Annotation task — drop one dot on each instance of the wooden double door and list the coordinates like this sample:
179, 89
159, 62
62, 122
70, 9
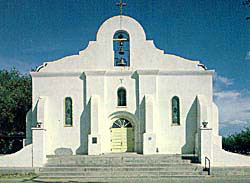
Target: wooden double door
122, 136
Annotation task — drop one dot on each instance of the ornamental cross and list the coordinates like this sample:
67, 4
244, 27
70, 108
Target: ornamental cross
121, 4
121, 80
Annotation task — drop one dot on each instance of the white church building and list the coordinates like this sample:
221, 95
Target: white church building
122, 94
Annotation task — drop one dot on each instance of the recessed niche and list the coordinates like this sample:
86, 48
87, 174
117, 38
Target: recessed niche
94, 140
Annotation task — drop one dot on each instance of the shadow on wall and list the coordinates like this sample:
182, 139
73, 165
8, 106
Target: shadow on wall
191, 129
63, 151
142, 120
84, 122
140, 115
31, 121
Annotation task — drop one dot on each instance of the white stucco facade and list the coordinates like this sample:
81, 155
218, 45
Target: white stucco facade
152, 79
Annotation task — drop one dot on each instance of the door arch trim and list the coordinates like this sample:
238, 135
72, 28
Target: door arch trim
123, 114
131, 118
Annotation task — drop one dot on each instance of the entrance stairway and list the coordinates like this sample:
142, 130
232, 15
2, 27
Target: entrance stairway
119, 166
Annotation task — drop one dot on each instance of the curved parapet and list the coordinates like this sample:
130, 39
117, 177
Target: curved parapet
99, 54
22, 158
113, 24
222, 158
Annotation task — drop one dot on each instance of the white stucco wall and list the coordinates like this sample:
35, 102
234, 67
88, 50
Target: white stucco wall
22, 158
56, 89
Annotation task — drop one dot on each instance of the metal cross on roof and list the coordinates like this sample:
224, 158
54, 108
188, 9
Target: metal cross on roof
121, 4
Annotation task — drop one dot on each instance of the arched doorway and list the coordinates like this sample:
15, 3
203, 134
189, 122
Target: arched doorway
122, 136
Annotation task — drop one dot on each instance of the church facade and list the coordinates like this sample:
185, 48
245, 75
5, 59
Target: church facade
122, 94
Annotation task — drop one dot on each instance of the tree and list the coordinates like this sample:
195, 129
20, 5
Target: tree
239, 142
15, 101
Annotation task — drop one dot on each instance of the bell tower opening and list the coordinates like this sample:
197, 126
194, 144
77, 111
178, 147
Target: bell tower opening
121, 48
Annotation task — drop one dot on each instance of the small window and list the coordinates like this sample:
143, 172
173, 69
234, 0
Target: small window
68, 111
175, 111
121, 96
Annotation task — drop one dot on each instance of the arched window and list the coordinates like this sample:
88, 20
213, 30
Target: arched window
68, 111
175, 110
121, 48
121, 96
122, 123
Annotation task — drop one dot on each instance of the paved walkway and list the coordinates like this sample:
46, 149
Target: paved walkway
228, 179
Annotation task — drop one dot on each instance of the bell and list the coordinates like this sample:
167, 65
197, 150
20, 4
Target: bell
122, 62
120, 36
121, 51
121, 43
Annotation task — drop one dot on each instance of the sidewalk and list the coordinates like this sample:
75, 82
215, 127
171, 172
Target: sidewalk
227, 179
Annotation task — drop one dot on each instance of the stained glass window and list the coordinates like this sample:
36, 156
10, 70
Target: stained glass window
175, 110
68, 111
121, 95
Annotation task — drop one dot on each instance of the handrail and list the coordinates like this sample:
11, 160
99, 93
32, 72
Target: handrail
208, 169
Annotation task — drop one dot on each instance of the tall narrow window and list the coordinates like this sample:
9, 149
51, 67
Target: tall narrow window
121, 95
175, 110
68, 111
121, 48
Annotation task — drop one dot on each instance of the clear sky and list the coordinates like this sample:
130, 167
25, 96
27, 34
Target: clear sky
214, 32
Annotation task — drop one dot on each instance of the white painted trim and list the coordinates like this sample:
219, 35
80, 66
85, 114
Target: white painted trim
165, 72
207, 72
120, 73
55, 74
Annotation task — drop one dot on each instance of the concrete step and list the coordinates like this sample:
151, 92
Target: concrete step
119, 155
119, 174
166, 178
112, 164
134, 157
139, 178
119, 166
104, 161
120, 169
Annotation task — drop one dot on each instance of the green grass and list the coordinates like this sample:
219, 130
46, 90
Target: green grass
17, 175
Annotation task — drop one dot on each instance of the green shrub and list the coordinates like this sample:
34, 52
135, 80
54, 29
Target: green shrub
238, 143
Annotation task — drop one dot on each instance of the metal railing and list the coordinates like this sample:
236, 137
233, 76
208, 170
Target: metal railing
209, 166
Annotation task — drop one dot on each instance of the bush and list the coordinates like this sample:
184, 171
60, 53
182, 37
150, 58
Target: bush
238, 143
15, 101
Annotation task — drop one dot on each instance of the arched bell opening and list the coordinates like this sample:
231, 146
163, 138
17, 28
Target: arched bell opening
121, 48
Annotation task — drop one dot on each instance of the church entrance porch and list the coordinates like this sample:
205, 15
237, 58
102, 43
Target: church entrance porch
122, 136
120, 165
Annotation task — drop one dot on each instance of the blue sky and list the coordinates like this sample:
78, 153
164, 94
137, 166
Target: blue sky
212, 31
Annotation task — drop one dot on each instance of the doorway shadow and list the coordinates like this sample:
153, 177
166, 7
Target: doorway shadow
191, 129
84, 121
